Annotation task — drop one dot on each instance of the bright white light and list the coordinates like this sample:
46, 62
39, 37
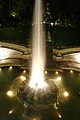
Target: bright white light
59, 115
60, 70
52, 24
37, 79
71, 71
66, 94
58, 78
56, 72
23, 78
37, 85
10, 93
10, 67
38, 49
45, 72
24, 71
10, 112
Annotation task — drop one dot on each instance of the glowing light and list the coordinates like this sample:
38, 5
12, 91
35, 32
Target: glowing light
60, 70
10, 112
59, 115
10, 67
38, 49
58, 78
66, 94
52, 24
71, 71
10, 93
44, 22
24, 71
37, 79
41, 84
56, 72
46, 72
23, 78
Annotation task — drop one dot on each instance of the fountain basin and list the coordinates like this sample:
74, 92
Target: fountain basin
40, 98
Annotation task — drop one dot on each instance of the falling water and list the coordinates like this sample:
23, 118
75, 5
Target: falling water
38, 48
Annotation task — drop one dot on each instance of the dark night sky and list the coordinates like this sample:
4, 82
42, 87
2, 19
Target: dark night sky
24, 7
66, 6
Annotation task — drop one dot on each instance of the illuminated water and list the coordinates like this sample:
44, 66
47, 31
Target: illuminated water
38, 48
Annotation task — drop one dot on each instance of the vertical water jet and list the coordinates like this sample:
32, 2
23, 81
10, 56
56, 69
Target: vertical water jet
38, 94
38, 48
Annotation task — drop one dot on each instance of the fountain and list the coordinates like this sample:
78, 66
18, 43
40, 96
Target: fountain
38, 48
38, 93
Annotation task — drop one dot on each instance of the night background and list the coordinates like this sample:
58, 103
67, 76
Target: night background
61, 19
